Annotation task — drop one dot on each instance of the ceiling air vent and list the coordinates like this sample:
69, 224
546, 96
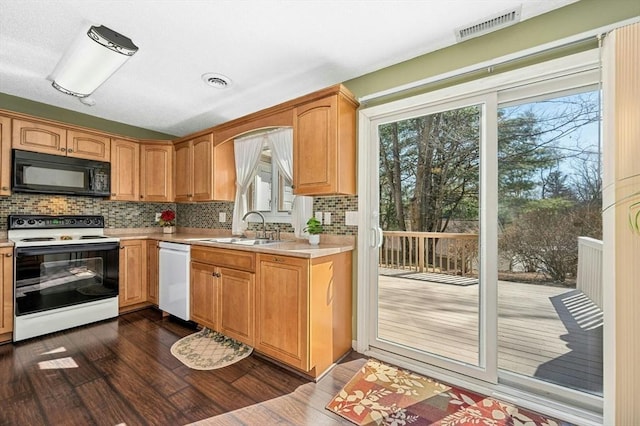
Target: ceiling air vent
490, 24
218, 81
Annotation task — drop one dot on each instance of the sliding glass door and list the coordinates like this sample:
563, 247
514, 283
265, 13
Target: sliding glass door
550, 316
431, 298
481, 251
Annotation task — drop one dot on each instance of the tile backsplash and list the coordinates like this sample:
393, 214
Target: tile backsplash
123, 214
117, 214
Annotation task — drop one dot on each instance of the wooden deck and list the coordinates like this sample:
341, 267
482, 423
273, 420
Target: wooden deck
549, 333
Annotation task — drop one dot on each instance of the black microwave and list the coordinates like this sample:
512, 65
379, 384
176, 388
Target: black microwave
56, 174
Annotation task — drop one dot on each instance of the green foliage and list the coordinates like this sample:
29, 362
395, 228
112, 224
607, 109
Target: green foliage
313, 226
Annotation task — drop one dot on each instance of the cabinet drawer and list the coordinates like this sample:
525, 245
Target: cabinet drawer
234, 259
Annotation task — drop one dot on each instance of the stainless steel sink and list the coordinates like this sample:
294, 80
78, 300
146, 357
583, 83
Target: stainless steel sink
238, 241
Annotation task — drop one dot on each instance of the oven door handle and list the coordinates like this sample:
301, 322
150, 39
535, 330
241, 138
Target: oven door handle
68, 248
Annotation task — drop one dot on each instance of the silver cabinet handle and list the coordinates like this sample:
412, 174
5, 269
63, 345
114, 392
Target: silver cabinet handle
8, 254
5, 188
63, 149
69, 150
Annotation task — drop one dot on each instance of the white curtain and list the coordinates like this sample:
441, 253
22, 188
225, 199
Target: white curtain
281, 144
247, 157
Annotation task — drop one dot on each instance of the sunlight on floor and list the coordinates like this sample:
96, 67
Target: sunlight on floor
59, 363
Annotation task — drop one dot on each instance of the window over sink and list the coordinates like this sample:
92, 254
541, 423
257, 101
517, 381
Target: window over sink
270, 192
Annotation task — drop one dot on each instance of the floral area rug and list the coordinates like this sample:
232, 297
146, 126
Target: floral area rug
381, 394
208, 350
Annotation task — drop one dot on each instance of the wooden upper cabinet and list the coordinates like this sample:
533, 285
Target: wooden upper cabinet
39, 137
224, 168
324, 146
184, 169
5, 156
156, 172
51, 139
125, 165
204, 173
88, 145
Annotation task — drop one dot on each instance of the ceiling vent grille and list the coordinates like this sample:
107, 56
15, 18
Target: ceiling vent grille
487, 25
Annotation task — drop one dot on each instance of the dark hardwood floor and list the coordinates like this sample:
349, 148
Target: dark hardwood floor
121, 371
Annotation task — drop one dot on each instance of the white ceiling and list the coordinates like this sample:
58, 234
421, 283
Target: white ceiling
273, 50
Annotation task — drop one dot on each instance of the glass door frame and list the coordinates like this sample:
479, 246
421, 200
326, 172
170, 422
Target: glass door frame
488, 178
581, 66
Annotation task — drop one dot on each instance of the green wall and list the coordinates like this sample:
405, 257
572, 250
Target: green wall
570, 20
16, 104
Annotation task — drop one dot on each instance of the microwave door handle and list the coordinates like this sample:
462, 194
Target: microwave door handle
91, 179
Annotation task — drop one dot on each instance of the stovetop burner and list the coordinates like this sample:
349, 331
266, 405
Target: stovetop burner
44, 231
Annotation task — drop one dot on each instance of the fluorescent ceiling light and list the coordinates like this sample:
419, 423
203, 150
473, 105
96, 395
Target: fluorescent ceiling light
91, 60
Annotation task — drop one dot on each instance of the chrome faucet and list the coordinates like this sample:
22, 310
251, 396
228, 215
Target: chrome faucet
264, 229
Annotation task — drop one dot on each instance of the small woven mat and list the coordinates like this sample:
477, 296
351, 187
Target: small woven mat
208, 350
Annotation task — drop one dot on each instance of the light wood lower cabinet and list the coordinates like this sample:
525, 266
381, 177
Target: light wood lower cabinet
6, 293
303, 310
236, 304
282, 311
222, 291
133, 272
204, 295
153, 257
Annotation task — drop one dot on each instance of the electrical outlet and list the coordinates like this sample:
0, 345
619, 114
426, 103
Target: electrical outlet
327, 218
158, 217
351, 218
319, 216
222, 217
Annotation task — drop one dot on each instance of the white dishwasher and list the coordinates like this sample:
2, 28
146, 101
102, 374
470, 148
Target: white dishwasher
174, 279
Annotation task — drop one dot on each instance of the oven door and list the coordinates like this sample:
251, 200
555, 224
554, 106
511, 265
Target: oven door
51, 277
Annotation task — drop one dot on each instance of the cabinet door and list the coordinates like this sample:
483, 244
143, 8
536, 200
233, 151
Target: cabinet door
125, 162
184, 175
314, 147
202, 170
236, 301
324, 146
282, 329
39, 137
224, 169
133, 272
203, 294
5, 156
156, 173
6, 290
88, 145
153, 255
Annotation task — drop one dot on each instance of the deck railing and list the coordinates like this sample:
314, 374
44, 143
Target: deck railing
589, 279
440, 252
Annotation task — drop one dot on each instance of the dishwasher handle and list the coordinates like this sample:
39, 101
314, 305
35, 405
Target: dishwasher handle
175, 246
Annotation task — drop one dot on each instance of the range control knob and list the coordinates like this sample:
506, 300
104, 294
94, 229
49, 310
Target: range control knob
31, 222
72, 221
20, 222
88, 221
